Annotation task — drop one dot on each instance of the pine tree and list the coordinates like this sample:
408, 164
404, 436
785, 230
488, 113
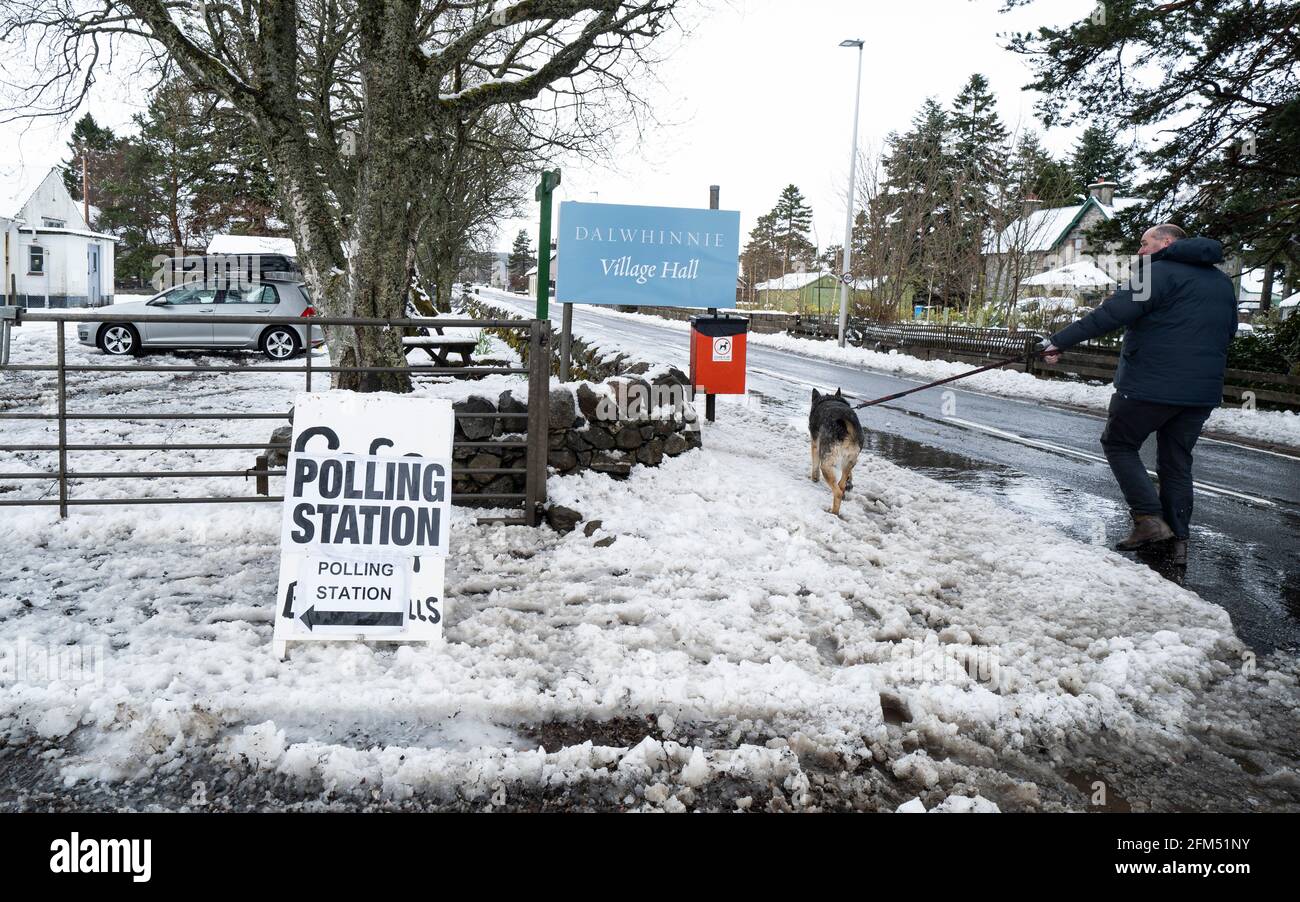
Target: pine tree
521, 260
1098, 154
909, 209
1218, 85
792, 218
118, 190
1034, 172
861, 242
979, 138
979, 149
88, 137
832, 259
760, 258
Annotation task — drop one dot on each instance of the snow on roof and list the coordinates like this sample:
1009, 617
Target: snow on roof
1083, 274
1040, 230
790, 281
251, 244
1292, 301
555, 258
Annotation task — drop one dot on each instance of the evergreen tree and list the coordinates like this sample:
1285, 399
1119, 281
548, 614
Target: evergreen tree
176, 132
761, 259
521, 260
118, 190
979, 138
916, 202
188, 172
98, 143
832, 259
978, 142
1098, 154
861, 234
792, 218
1034, 172
1218, 82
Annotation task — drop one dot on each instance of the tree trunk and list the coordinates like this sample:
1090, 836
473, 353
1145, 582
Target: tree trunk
383, 223
1266, 290
446, 271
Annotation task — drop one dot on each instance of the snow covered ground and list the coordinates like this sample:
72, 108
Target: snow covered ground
1279, 427
734, 646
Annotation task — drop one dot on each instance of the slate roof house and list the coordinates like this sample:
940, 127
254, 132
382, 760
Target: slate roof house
1043, 239
52, 255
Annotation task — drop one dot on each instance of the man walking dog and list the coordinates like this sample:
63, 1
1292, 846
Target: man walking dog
1178, 317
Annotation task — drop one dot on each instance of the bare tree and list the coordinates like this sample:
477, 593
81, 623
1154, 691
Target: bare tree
351, 101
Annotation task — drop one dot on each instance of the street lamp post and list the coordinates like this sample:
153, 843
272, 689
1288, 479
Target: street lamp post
848, 221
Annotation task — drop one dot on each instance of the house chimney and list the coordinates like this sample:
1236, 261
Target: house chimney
1104, 191
1032, 204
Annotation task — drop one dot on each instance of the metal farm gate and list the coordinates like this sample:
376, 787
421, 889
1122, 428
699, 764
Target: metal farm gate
62, 473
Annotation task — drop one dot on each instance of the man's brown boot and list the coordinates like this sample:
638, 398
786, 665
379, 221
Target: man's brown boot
1147, 528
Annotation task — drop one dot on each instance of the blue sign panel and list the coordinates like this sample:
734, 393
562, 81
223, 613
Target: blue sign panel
661, 256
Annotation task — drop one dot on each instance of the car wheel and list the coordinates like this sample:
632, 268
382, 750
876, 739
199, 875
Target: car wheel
119, 339
279, 343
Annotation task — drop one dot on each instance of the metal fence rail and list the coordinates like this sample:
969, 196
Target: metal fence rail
529, 501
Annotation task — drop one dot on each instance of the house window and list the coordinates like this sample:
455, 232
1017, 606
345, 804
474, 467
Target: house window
48, 223
35, 260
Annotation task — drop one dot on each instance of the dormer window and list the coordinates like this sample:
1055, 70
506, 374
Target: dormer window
48, 223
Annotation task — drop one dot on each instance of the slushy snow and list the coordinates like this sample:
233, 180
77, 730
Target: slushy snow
925, 638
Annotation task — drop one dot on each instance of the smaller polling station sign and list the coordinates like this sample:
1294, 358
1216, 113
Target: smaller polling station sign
660, 256
364, 531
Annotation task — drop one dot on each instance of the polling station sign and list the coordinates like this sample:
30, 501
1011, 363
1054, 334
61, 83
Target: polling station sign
662, 256
365, 524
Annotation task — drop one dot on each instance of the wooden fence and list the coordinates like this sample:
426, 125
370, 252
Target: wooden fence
1091, 360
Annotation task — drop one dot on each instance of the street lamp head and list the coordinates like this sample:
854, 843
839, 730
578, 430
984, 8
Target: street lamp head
850, 42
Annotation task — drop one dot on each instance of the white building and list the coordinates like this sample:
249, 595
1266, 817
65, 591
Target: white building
52, 256
532, 276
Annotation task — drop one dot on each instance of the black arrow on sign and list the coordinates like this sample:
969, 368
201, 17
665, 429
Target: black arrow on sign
314, 618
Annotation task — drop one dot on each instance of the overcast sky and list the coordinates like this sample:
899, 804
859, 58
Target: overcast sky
756, 96
759, 95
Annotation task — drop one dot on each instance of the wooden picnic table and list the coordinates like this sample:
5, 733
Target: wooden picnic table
440, 347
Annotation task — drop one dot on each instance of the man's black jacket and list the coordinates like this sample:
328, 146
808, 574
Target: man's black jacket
1179, 315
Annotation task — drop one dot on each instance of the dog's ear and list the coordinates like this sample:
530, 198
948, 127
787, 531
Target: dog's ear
816, 396
838, 393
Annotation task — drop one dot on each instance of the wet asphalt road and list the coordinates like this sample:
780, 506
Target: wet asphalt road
1044, 462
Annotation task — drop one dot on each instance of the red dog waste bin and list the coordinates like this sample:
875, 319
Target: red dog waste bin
718, 354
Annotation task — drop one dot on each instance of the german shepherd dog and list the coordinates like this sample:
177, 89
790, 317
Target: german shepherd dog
836, 442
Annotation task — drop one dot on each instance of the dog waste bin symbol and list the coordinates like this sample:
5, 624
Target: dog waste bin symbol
718, 354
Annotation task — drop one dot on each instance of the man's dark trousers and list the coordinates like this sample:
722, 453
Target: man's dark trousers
1177, 428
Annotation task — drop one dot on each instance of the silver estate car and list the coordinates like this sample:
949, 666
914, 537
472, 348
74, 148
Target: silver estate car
143, 325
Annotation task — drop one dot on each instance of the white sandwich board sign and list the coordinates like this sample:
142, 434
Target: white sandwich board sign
364, 534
